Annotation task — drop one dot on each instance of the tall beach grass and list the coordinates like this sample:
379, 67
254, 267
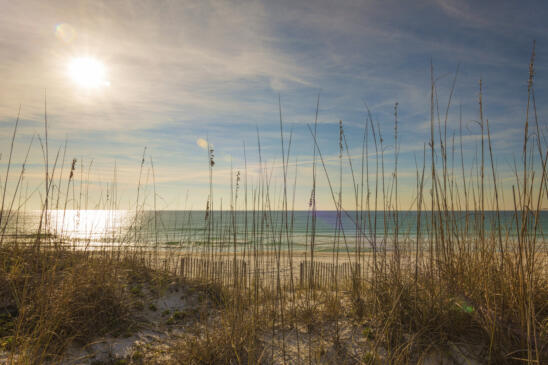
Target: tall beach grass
461, 287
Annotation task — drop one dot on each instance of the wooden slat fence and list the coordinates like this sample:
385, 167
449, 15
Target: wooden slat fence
225, 272
327, 275
230, 272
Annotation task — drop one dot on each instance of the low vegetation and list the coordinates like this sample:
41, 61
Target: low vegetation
464, 288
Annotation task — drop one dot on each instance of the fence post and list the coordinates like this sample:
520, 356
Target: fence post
245, 274
301, 274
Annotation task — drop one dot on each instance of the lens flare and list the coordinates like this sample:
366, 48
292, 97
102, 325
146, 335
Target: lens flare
65, 32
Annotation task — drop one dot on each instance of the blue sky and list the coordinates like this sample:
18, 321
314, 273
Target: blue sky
181, 71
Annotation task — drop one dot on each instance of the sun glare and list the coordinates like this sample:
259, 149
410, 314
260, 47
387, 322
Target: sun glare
88, 72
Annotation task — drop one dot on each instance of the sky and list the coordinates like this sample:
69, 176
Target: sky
179, 75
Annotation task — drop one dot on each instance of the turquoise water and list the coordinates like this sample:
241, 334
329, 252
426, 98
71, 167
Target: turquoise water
195, 228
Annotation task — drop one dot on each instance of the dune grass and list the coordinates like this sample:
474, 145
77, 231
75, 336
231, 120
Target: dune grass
455, 290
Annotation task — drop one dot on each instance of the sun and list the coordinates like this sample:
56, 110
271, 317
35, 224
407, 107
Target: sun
88, 72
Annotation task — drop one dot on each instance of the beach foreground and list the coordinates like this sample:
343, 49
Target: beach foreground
103, 307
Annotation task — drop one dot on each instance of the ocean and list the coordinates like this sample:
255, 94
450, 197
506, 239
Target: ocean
267, 229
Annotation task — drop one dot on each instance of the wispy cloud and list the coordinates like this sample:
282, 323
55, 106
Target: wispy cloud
181, 70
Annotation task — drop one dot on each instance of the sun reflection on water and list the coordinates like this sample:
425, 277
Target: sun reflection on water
89, 224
